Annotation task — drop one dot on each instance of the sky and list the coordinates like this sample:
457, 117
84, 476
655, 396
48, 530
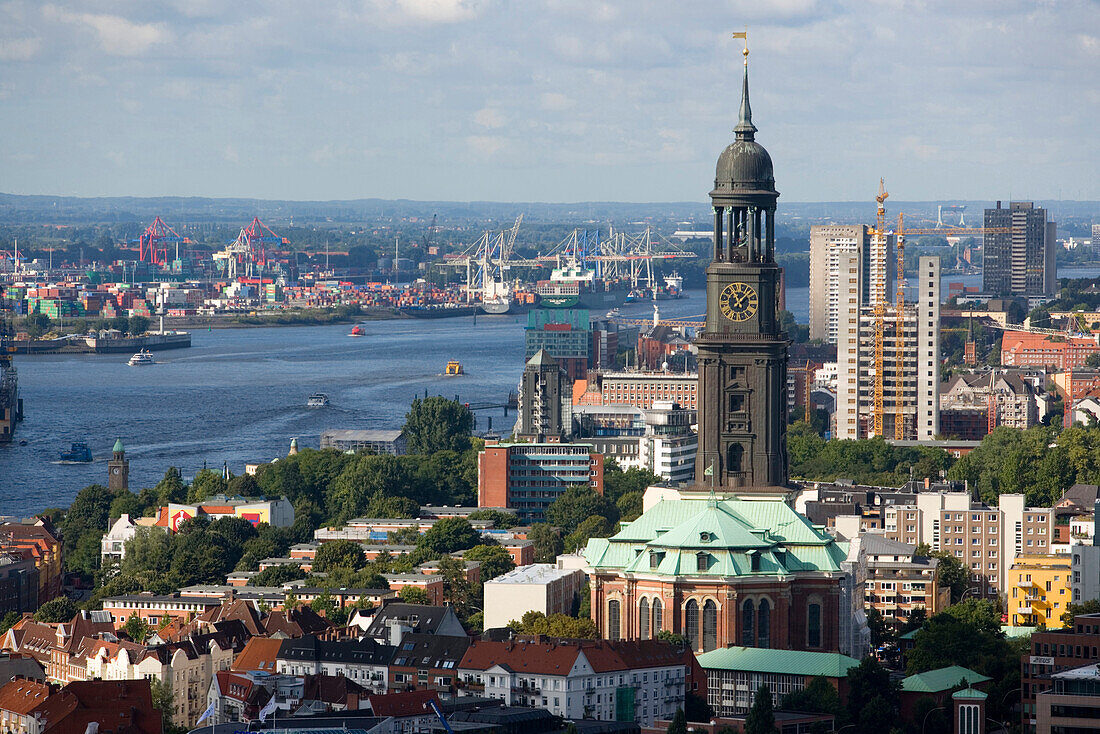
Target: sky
547, 100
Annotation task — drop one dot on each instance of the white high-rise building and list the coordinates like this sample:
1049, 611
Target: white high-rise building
875, 260
910, 361
669, 446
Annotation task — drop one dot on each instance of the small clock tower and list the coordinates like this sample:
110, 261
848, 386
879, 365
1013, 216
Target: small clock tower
742, 350
118, 468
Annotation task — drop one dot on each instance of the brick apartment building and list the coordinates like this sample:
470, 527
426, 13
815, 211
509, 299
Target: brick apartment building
529, 477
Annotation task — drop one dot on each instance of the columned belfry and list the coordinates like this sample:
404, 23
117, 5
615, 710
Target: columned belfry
742, 350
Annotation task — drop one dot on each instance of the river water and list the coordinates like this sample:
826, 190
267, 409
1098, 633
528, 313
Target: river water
238, 395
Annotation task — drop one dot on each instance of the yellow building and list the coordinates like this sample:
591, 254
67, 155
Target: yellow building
1039, 590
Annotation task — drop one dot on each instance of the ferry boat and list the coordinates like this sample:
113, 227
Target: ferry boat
356, 330
317, 400
454, 369
141, 358
78, 452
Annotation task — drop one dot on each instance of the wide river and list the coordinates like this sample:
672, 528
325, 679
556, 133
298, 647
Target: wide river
239, 395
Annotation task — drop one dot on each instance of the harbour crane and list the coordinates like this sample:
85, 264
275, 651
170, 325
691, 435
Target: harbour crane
153, 243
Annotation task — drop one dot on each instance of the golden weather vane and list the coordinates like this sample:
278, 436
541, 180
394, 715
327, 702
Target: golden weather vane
744, 35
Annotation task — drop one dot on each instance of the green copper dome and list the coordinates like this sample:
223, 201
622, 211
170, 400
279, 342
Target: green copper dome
118, 446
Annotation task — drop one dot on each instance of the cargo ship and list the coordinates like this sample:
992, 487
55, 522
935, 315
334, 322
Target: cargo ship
107, 344
574, 286
11, 406
437, 311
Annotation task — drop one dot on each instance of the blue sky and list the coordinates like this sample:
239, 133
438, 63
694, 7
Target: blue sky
532, 100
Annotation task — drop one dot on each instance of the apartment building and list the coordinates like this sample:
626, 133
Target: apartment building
1040, 590
529, 477
829, 244
608, 681
1025, 349
1070, 702
898, 582
1009, 393
985, 539
909, 352
642, 389
669, 446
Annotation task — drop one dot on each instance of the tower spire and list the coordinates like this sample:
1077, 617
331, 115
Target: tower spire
745, 129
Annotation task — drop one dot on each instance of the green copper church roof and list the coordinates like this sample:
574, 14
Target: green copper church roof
118, 445
760, 536
781, 662
941, 679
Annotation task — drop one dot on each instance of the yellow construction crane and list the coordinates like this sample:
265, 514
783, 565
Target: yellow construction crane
879, 308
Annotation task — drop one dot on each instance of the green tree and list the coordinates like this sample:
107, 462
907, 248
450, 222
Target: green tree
555, 625
457, 590
449, 535
164, 700
1092, 606
577, 504
37, 324
277, 575
391, 507
630, 506
494, 559
981, 614
548, 542
61, 609
83, 526
438, 424
171, 488
761, 718
593, 527
205, 485
678, 725
617, 482
9, 621
869, 682
817, 697
503, 520
137, 325
414, 595
952, 574
338, 554
136, 628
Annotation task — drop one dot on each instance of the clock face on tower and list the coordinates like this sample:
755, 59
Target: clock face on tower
115, 470
738, 301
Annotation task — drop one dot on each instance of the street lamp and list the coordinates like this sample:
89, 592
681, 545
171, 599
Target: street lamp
972, 588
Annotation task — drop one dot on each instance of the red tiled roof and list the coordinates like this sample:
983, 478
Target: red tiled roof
258, 654
557, 657
23, 696
406, 703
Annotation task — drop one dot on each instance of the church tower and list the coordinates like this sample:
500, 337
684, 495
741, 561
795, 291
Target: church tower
118, 468
742, 350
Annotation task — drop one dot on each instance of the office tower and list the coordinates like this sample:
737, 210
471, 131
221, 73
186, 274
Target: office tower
545, 400
1018, 258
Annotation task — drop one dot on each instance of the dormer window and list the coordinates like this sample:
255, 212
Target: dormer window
655, 559
754, 560
702, 561
705, 537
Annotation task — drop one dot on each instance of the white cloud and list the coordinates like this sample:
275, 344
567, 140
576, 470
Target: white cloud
489, 117
485, 145
439, 11
117, 35
19, 49
556, 101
